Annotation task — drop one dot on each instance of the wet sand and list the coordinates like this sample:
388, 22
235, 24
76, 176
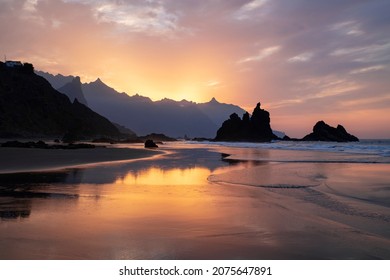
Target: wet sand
196, 204
31, 160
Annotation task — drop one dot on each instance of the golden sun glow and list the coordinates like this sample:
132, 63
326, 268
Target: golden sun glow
171, 177
196, 51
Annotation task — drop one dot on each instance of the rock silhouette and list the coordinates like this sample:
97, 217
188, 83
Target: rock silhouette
73, 91
173, 118
150, 144
30, 107
325, 132
255, 128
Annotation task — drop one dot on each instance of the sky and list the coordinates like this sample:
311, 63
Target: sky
304, 60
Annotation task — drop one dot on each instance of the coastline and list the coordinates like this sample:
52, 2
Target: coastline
193, 201
18, 160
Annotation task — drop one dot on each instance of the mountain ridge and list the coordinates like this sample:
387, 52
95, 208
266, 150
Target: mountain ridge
31, 107
73, 91
144, 116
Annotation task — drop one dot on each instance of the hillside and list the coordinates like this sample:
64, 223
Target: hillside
30, 107
144, 116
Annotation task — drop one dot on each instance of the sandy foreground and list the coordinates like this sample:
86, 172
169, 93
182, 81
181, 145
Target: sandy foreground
191, 204
14, 160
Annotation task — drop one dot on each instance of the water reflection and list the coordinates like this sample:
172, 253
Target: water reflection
167, 209
174, 176
127, 210
13, 210
180, 167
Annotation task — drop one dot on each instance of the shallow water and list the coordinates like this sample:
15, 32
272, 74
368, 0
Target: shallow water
194, 203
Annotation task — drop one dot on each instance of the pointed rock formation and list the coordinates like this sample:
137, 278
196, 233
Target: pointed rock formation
218, 112
73, 91
255, 128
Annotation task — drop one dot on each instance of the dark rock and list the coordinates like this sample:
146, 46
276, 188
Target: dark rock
30, 107
43, 145
325, 132
17, 144
150, 144
255, 128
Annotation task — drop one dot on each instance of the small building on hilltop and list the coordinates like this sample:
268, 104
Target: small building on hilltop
12, 64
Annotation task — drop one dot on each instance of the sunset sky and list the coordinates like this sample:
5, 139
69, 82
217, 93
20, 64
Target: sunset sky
304, 60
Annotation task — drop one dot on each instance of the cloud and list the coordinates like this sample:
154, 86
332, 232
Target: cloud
339, 50
366, 102
245, 10
371, 53
348, 28
261, 55
286, 102
213, 83
319, 88
368, 69
30, 5
303, 57
30, 12
338, 87
149, 17
253, 5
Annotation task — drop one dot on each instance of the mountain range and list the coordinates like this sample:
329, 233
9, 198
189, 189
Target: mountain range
31, 107
141, 114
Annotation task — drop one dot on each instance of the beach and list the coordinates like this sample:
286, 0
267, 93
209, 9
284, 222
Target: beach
201, 201
25, 160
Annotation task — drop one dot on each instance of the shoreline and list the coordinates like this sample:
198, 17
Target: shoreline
21, 160
190, 204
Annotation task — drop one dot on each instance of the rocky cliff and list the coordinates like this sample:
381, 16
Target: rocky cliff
30, 107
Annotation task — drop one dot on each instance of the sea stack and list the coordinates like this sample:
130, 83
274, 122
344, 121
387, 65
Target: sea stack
324, 132
255, 128
150, 144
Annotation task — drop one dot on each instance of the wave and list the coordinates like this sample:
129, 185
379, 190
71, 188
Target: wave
374, 150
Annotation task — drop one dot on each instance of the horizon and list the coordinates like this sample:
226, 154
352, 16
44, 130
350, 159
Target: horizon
304, 61
190, 101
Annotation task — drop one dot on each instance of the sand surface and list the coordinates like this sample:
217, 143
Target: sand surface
191, 203
26, 160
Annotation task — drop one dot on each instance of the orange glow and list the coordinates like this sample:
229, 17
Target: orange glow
180, 194
171, 177
180, 50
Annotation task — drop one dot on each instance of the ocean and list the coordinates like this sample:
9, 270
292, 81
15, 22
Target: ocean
366, 150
